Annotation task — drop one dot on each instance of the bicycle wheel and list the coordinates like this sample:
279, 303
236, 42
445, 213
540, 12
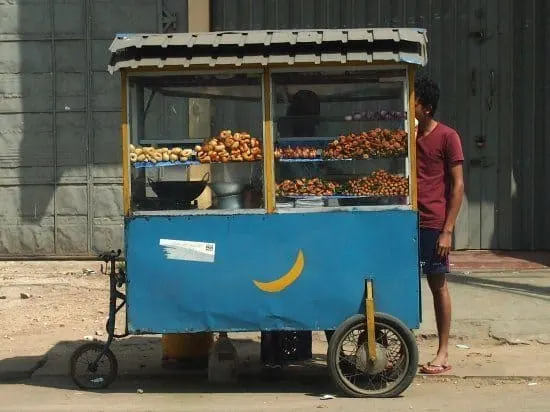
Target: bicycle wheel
87, 373
395, 366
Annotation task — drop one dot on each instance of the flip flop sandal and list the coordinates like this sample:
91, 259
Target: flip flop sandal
433, 369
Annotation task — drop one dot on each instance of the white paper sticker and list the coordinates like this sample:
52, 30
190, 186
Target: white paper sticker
187, 250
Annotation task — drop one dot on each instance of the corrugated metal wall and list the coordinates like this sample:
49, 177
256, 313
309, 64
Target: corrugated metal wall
496, 89
59, 109
60, 168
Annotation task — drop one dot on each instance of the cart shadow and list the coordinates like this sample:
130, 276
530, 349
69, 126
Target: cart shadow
140, 368
291, 382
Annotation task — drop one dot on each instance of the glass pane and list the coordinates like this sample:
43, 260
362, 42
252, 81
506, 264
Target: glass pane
197, 141
340, 138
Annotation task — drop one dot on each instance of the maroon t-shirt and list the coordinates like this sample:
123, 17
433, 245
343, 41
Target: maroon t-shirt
436, 152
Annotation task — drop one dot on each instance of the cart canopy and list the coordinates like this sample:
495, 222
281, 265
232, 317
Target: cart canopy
274, 48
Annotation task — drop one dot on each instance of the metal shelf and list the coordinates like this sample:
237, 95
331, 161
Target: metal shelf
144, 142
313, 197
149, 165
338, 119
339, 160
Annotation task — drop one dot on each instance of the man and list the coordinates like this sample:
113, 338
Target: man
440, 194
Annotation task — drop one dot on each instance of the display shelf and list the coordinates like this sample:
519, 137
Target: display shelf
170, 142
320, 159
340, 119
315, 160
315, 197
312, 140
143, 165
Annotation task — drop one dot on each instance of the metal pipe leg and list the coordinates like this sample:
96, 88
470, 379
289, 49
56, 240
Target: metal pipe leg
369, 309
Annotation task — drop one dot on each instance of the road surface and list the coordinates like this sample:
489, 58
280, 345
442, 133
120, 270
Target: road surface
167, 395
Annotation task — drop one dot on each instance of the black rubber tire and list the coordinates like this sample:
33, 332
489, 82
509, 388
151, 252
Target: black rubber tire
96, 348
381, 319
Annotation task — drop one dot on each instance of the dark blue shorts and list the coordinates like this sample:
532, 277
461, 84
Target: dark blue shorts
432, 263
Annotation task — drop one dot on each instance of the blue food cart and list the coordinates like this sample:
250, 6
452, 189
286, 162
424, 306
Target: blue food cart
269, 185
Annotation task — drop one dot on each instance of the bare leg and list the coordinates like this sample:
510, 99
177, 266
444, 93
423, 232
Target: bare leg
442, 308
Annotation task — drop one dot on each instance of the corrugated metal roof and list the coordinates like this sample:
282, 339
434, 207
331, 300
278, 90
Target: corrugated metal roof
263, 47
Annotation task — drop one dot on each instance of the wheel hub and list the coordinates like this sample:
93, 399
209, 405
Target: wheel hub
365, 365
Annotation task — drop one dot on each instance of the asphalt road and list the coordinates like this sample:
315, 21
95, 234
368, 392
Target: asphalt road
49, 394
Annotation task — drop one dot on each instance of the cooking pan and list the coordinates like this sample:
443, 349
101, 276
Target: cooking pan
186, 191
227, 188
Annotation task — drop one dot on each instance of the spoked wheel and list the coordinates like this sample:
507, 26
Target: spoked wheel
396, 360
88, 372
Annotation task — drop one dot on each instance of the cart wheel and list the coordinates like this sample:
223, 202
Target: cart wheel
89, 374
395, 366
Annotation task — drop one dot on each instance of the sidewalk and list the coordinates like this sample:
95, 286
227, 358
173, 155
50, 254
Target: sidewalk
504, 319
472, 260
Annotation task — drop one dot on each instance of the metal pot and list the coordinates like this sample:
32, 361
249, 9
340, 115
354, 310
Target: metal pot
227, 188
186, 191
229, 202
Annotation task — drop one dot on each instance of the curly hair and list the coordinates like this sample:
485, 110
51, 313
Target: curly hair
427, 92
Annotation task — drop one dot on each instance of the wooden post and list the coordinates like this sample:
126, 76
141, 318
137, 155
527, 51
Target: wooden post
125, 145
269, 167
413, 191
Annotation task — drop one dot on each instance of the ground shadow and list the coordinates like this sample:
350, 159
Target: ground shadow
541, 257
513, 287
500, 260
292, 382
139, 367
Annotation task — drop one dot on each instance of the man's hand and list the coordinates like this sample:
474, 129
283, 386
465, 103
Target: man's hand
444, 244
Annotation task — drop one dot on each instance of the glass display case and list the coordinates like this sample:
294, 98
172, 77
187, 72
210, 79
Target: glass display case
196, 141
341, 137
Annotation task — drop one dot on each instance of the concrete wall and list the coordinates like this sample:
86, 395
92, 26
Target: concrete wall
60, 172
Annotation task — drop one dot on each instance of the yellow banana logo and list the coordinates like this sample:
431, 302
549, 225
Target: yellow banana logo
286, 280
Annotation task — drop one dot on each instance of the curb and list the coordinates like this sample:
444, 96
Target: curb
511, 379
18, 376
465, 271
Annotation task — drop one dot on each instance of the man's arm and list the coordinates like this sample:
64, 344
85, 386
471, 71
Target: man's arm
457, 194
455, 201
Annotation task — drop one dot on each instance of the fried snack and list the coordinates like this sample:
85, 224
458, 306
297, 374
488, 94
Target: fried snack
307, 187
377, 143
230, 147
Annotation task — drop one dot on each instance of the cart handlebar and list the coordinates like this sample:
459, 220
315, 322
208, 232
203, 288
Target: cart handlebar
110, 256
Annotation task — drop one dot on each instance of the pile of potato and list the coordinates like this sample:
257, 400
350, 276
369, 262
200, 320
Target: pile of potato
377, 143
296, 153
307, 187
230, 147
379, 183
154, 155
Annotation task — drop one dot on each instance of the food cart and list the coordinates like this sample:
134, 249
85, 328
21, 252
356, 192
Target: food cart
269, 185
